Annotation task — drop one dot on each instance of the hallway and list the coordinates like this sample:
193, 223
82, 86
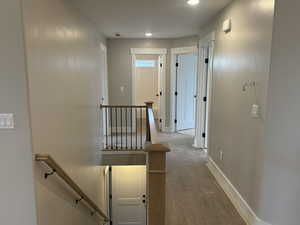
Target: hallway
193, 195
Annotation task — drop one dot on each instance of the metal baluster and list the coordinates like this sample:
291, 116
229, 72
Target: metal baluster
116, 111
141, 115
136, 129
131, 127
126, 129
111, 129
106, 130
121, 128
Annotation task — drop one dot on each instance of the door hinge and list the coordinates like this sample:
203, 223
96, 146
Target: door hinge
110, 169
205, 99
161, 65
176, 93
160, 120
206, 60
177, 64
160, 93
175, 121
110, 196
203, 135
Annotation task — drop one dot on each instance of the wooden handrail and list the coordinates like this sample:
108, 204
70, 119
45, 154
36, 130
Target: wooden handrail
59, 171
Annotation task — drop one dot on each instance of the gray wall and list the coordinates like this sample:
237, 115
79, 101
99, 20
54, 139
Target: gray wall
17, 205
63, 61
240, 56
119, 65
280, 189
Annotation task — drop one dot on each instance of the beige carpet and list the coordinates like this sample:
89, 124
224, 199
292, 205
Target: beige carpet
193, 195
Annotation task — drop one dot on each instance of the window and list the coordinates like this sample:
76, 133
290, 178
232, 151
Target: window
145, 63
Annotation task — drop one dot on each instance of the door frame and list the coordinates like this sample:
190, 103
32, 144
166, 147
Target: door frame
205, 77
105, 101
103, 49
162, 53
174, 53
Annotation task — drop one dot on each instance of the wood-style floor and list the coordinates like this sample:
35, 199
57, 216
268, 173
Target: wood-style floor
193, 195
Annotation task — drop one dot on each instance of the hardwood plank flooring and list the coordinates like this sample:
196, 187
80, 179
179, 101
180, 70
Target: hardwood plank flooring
193, 195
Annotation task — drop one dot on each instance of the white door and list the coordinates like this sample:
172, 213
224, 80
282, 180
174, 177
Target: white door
128, 195
103, 74
104, 85
147, 81
186, 78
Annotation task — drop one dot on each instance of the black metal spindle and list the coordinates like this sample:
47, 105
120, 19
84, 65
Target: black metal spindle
126, 128
121, 114
111, 128
141, 119
131, 127
116, 111
106, 130
136, 129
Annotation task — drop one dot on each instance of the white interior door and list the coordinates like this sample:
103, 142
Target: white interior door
104, 76
147, 81
186, 78
128, 194
104, 85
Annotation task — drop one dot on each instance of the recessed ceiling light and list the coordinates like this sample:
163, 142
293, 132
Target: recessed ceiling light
193, 2
148, 34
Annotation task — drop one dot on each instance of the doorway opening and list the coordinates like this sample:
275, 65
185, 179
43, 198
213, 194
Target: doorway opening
206, 57
148, 81
184, 71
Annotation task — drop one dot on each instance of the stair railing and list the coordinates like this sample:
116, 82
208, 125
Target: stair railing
82, 197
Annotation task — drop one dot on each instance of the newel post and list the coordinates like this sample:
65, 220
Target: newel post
156, 183
149, 106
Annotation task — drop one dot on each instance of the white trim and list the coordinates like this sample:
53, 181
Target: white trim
103, 47
183, 50
162, 52
235, 197
206, 49
174, 52
104, 95
148, 51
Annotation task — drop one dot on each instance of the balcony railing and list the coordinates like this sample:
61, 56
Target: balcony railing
125, 127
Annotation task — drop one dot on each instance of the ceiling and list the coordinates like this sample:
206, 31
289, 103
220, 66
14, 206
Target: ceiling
164, 18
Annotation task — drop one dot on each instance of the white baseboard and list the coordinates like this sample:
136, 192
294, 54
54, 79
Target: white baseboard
238, 201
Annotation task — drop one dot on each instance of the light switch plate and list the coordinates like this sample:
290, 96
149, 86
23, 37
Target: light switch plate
227, 25
7, 121
255, 111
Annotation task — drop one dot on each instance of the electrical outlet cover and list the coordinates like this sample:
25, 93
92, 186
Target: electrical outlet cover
7, 121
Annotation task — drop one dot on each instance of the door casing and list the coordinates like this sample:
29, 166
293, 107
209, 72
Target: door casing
206, 50
174, 53
161, 52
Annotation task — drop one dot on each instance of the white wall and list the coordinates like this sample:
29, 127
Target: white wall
280, 181
63, 57
241, 56
17, 205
